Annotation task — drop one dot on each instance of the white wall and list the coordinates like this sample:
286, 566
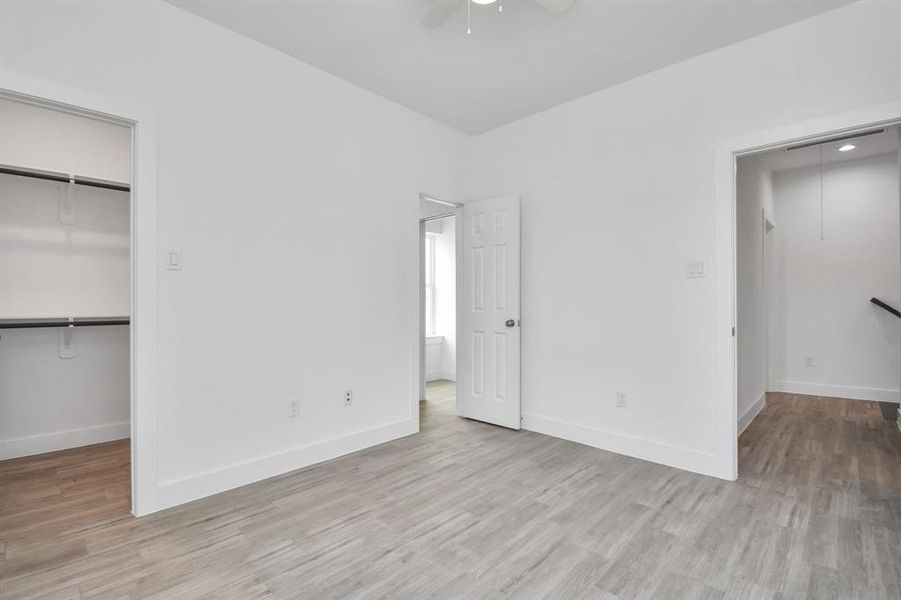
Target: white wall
618, 193
822, 287
441, 354
446, 315
317, 192
434, 349
293, 196
49, 269
52, 140
754, 198
48, 403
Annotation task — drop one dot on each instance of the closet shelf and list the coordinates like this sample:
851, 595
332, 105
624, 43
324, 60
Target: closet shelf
58, 322
64, 178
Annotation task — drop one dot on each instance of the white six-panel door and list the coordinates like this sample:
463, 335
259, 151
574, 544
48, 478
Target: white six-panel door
489, 342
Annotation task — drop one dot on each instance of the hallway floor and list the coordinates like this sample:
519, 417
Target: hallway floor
469, 510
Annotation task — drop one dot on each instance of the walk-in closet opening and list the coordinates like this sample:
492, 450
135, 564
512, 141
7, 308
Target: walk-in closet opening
818, 288
65, 304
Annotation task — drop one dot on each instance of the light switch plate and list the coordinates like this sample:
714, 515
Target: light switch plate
173, 260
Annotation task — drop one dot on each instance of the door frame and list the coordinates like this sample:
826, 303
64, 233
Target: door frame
726, 154
766, 276
142, 120
455, 209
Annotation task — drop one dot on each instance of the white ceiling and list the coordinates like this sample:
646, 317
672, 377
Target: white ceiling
870, 145
515, 63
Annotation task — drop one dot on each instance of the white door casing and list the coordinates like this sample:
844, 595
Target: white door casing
490, 313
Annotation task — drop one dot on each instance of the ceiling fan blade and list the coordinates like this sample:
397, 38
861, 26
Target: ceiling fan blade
556, 6
440, 11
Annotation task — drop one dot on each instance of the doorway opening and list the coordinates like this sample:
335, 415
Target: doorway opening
818, 285
438, 326
486, 329
66, 282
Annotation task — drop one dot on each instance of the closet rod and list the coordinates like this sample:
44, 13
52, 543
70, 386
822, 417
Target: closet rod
62, 177
80, 322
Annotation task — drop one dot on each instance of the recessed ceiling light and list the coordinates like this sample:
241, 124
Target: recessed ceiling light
483, 2
847, 148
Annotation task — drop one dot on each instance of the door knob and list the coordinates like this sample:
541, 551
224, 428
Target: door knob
510, 323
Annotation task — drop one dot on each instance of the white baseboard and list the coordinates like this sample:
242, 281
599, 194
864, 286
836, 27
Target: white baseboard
751, 413
178, 491
680, 457
436, 375
838, 391
62, 440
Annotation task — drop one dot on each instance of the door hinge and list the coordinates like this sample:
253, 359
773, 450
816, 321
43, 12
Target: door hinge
733, 332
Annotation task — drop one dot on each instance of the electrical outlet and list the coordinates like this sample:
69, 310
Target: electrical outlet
621, 400
808, 360
348, 397
695, 269
293, 408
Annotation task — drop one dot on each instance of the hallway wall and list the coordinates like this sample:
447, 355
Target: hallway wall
754, 198
821, 287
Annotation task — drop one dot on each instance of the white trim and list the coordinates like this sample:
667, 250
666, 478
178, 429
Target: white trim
848, 392
419, 326
185, 489
751, 413
436, 375
428, 198
434, 340
670, 455
725, 154
144, 251
63, 440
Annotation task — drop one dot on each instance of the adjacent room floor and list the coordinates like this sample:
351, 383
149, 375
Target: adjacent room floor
468, 510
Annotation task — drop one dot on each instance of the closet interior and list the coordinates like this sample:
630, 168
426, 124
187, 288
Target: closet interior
65, 280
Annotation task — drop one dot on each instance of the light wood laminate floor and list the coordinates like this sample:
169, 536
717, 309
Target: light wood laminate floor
468, 510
